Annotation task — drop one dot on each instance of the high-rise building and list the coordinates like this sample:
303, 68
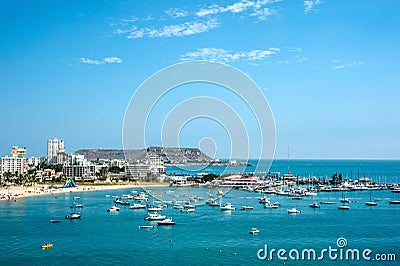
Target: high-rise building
17, 152
56, 151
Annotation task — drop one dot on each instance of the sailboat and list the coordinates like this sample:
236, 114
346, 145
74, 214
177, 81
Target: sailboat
344, 200
394, 201
370, 202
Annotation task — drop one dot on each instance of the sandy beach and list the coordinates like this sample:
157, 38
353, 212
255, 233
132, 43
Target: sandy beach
16, 192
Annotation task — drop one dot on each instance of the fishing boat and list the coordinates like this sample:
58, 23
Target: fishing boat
314, 205
73, 216
247, 207
136, 206
113, 209
154, 217
254, 231
167, 221
227, 207
294, 211
47, 245
55, 221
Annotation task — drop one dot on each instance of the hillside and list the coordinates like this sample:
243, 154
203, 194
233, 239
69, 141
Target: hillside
169, 155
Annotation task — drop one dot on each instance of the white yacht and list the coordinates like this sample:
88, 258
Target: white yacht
73, 216
227, 207
155, 216
167, 221
247, 207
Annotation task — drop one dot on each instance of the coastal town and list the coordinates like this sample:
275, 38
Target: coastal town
110, 169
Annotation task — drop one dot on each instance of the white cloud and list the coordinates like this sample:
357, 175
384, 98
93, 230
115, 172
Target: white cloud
309, 6
176, 30
257, 7
112, 59
217, 54
349, 65
105, 60
176, 13
89, 61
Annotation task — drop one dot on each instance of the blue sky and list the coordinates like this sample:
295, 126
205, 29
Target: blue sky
329, 69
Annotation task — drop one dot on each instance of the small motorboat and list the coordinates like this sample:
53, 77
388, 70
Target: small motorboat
327, 202
189, 206
55, 221
154, 209
179, 207
188, 210
77, 198
167, 221
155, 217
227, 207
264, 199
136, 206
297, 198
146, 226
394, 202
294, 211
371, 203
73, 216
247, 207
47, 245
76, 205
254, 231
344, 207
214, 204
271, 206
113, 209
314, 205
345, 200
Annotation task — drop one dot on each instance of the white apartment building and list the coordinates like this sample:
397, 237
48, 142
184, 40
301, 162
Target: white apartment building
13, 165
56, 151
154, 166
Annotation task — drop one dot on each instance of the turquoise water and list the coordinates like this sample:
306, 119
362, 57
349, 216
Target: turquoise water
197, 238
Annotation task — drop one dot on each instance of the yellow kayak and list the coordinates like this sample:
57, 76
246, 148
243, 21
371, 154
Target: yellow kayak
48, 245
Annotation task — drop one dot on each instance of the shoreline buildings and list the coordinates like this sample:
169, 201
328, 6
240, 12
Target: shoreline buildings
55, 151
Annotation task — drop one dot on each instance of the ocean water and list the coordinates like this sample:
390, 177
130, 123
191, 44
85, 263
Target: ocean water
206, 237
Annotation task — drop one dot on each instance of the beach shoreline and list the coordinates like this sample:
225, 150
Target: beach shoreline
14, 193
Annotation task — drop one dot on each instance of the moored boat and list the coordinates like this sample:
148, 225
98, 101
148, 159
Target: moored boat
344, 207
73, 216
154, 217
167, 221
314, 205
55, 221
113, 209
294, 211
136, 206
254, 231
246, 207
227, 207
